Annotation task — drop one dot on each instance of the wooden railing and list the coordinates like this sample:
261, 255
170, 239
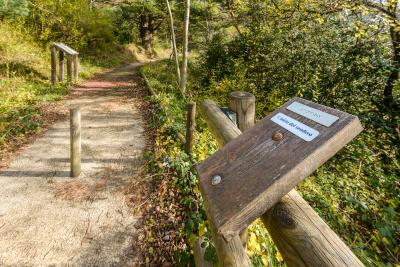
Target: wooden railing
72, 63
301, 236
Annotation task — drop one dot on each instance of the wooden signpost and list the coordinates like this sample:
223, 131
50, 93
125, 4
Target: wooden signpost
250, 174
72, 63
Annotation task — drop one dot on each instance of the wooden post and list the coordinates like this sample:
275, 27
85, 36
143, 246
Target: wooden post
198, 253
190, 126
302, 237
229, 253
243, 103
75, 62
69, 68
61, 65
75, 137
53, 65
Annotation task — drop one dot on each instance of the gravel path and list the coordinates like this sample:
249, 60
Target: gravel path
50, 219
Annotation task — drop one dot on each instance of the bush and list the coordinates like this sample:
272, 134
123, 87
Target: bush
13, 8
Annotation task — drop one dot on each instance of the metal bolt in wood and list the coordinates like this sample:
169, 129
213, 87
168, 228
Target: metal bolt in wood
277, 136
216, 179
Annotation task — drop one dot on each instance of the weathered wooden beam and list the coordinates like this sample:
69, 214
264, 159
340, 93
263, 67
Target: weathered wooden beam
60, 65
69, 68
244, 105
232, 253
190, 126
65, 48
75, 62
303, 225
198, 253
53, 65
75, 138
303, 238
229, 253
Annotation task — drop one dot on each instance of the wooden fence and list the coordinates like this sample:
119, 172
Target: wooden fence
72, 63
301, 236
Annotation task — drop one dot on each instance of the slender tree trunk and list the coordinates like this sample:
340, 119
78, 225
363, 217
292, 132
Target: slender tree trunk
233, 18
185, 48
394, 74
175, 51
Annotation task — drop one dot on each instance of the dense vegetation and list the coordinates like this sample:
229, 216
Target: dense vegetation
344, 54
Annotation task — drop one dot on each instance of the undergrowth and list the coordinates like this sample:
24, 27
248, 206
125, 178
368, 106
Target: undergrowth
169, 157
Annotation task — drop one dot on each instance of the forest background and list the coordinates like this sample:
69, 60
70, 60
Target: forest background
344, 54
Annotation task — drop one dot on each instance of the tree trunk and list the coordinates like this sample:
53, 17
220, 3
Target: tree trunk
146, 33
185, 48
394, 74
175, 51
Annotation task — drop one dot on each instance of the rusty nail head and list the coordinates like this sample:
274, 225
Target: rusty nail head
277, 136
216, 179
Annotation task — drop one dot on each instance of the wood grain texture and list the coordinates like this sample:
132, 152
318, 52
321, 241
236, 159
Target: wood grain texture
303, 238
244, 105
190, 126
231, 253
75, 136
53, 65
60, 66
258, 171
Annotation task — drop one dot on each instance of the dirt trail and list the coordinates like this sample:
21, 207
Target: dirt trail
47, 218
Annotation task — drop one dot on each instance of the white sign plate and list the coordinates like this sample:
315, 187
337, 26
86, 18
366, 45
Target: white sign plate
294, 126
313, 114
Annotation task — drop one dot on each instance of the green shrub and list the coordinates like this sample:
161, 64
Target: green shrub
13, 8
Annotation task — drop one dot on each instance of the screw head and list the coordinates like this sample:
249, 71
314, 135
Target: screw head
277, 136
216, 179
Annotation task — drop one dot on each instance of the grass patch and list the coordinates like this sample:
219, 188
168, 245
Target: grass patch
170, 159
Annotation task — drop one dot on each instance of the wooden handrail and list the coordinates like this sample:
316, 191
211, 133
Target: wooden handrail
72, 63
63, 47
301, 236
